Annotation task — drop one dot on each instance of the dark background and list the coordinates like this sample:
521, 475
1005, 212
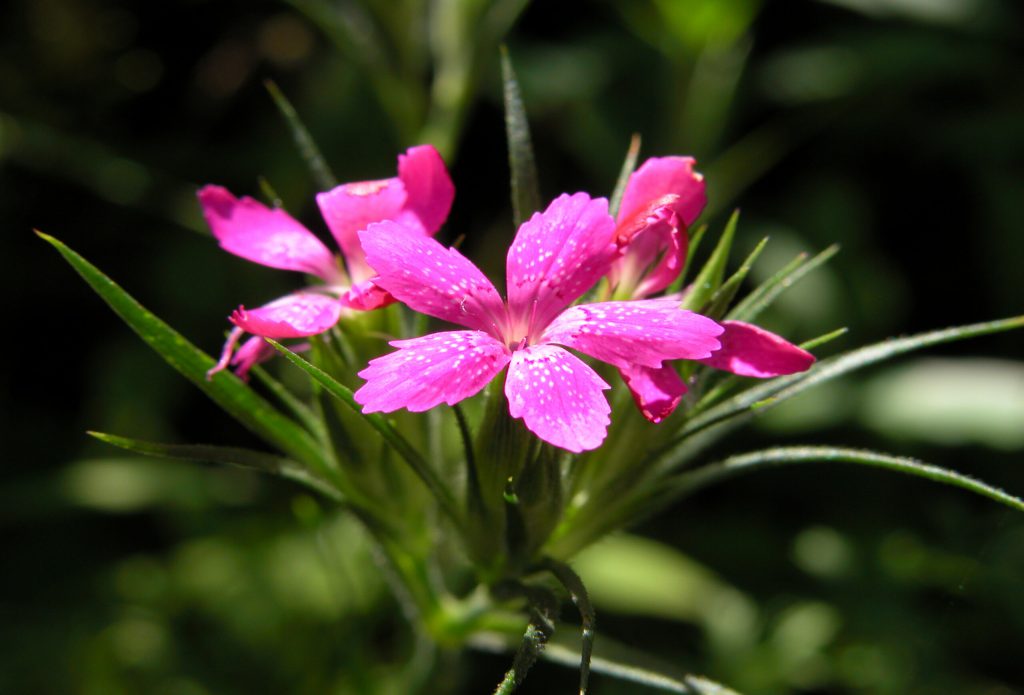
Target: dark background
892, 127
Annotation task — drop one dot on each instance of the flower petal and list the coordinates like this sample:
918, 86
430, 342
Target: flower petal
660, 176
270, 237
432, 279
657, 392
429, 188
654, 242
366, 296
352, 207
294, 316
558, 397
558, 255
437, 368
642, 332
252, 352
748, 350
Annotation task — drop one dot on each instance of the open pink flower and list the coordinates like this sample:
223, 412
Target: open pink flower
662, 198
556, 257
418, 199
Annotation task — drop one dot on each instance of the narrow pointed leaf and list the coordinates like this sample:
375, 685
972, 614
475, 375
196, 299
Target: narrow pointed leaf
318, 167
715, 472
302, 412
691, 250
824, 339
710, 277
765, 294
723, 297
401, 445
628, 166
525, 189
244, 458
226, 390
777, 390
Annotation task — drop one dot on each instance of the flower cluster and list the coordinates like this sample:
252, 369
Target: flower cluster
384, 229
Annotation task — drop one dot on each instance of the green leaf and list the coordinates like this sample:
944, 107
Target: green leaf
401, 445
824, 339
691, 251
302, 412
581, 598
628, 166
723, 297
721, 470
525, 189
710, 277
226, 390
245, 458
762, 297
777, 390
321, 173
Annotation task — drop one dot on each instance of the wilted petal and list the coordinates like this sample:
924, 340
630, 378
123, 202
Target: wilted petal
558, 255
424, 372
270, 237
294, 316
635, 333
661, 176
558, 397
751, 351
432, 279
352, 207
428, 186
657, 392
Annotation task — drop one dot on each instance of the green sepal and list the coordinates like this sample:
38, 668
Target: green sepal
224, 388
244, 458
710, 277
521, 162
318, 167
539, 504
405, 450
628, 167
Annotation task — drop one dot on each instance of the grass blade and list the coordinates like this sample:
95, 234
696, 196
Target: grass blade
525, 189
226, 390
709, 279
244, 458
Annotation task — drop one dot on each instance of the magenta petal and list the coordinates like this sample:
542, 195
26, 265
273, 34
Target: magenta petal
429, 188
661, 176
643, 332
655, 245
558, 255
270, 237
432, 279
657, 392
751, 351
294, 316
366, 296
558, 397
352, 207
425, 372
252, 352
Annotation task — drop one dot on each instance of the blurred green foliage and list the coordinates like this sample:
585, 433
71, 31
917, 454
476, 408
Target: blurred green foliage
893, 127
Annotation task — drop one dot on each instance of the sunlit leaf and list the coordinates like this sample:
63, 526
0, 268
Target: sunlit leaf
724, 295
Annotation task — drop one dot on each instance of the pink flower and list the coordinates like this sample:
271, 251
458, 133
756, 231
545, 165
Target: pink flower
556, 257
418, 199
662, 198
